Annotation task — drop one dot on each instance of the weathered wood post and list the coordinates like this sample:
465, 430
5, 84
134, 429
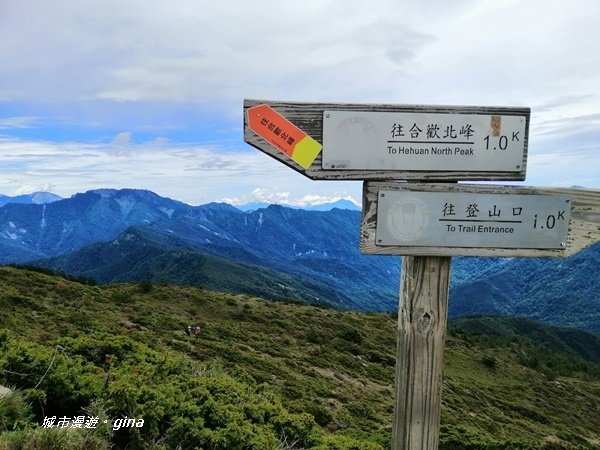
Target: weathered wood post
428, 221
422, 315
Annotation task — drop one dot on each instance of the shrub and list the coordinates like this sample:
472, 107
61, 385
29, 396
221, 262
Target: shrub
54, 439
351, 334
313, 336
15, 412
489, 361
145, 286
121, 296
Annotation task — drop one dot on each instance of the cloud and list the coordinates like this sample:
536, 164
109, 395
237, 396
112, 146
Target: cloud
17, 122
175, 64
266, 195
190, 173
28, 189
200, 52
556, 103
123, 138
315, 199
215, 53
568, 125
150, 92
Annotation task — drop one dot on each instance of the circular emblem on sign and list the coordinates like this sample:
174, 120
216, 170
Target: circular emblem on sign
356, 126
408, 219
355, 132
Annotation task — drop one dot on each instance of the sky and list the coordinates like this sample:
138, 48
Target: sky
148, 94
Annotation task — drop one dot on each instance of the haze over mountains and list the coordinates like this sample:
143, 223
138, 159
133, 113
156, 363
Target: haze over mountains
276, 252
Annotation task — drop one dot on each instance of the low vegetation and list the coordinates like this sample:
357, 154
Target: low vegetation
261, 375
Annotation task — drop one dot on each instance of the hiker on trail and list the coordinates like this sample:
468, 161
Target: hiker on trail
196, 330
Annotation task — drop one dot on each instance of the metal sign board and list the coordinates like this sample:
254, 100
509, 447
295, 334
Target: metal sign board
423, 141
454, 219
459, 143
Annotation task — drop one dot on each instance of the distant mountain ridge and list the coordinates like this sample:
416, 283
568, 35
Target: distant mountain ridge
33, 231
562, 291
341, 204
37, 198
278, 252
42, 197
72, 233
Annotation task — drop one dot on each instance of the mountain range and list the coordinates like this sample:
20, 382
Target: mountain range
115, 235
37, 198
276, 252
341, 204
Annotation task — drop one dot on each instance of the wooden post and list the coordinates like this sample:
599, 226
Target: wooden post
422, 317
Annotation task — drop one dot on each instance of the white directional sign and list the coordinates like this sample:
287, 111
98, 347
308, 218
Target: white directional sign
363, 140
451, 219
454, 219
341, 141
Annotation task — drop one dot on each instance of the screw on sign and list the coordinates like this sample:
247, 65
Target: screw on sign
428, 222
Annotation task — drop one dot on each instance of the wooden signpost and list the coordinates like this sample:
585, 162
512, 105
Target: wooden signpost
430, 218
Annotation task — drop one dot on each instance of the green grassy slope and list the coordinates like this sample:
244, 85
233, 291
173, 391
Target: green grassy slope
138, 254
504, 330
262, 375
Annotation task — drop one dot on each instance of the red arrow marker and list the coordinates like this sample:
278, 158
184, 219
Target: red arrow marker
283, 134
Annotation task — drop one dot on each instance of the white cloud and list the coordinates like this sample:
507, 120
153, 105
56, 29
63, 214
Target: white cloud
309, 200
191, 173
147, 68
215, 53
267, 195
260, 195
123, 138
204, 52
28, 189
17, 122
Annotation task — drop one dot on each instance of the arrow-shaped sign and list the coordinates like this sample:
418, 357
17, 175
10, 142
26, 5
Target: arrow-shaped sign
283, 134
